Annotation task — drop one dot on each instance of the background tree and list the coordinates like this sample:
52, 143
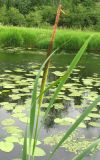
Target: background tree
79, 13
34, 19
1, 3
8, 4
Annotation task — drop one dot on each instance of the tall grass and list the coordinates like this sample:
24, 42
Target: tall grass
35, 109
39, 38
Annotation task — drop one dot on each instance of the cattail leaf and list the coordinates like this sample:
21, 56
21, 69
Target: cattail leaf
67, 74
24, 153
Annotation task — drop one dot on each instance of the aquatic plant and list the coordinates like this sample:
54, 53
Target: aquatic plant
30, 148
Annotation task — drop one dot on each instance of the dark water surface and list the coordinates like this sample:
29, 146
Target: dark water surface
17, 74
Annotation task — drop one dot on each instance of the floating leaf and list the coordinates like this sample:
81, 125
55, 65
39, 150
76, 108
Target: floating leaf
39, 152
58, 106
94, 124
7, 122
15, 97
12, 139
19, 70
19, 115
8, 106
13, 130
67, 121
58, 73
6, 146
19, 109
26, 90
88, 81
72, 144
94, 115
23, 119
7, 71
15, 90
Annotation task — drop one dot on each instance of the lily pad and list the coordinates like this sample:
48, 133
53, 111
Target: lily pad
7, 122
58, 106
19, 70
88, 81
13, 130
24, 119
39, 152
58, 73
6, 146
9, 106
94, 124
12, 139
15, 97
68, 121
8, 71
19, 115
94, 115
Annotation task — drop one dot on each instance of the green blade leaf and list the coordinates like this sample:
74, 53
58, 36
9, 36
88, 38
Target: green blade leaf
34, 102
33, 106
24, 153
67, 74
34, 93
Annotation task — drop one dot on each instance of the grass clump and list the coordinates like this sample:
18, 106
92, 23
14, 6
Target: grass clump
36, 38
10, 39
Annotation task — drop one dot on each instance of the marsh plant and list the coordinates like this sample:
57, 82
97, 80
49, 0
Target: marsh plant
38, 38
33, 128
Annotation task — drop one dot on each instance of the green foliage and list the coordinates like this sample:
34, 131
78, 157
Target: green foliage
34, 19
40, 38
11, 17
79, 13
3, 16
49, 13
15, 17
8, 4
1, 3
9, 39
24, 6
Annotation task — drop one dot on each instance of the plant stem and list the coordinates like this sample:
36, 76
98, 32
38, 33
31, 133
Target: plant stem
46, 68
45, 73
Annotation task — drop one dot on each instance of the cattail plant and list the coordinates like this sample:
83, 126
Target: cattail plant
46, 69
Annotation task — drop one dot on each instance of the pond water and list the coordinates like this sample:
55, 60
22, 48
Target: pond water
17, 75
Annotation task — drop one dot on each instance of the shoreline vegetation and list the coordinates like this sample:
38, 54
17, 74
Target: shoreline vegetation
37, 38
